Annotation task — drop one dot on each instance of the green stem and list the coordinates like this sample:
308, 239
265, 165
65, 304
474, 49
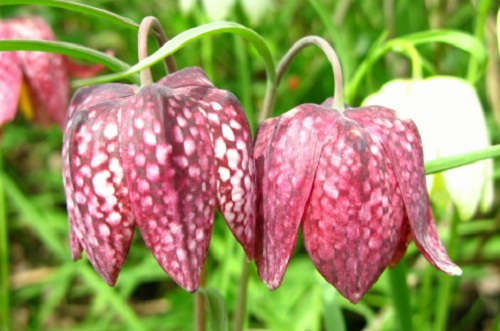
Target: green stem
424, 298
199, 304
269, 101
338, 93
241, 304
68, 49
483, 8
78, 7
401, 296
4, 260
445, 282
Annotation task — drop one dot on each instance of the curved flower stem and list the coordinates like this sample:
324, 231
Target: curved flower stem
151, 24
269, 100
338, 102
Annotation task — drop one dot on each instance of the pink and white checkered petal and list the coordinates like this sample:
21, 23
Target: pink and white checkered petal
263, 138
84, 98
354, 218
30, 27
44, 73
89, 96
402, 144
289, 169
98, 203
403, 243
48, 84
186, 78
79, 70
73, 212
168, 163
262, 144
10, 85
234, 165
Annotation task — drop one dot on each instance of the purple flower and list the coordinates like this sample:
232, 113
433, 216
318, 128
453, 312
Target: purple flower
161, 157
355, 181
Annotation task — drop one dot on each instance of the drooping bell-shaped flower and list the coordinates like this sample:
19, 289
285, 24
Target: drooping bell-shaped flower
36, 82
161, 157
355, 181
450, 119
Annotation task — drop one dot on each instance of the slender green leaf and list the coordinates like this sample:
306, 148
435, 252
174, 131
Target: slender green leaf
78, 7
188, 36
459, 160
57, 288
116, 303
216, 309
33, 218
68, 49
455, 38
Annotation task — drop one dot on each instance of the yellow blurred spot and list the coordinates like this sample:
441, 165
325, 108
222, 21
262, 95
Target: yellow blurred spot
25, 104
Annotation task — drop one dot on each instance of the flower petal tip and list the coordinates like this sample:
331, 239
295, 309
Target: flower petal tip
453, 270
272, 281
273, 284
190, 288
354, 297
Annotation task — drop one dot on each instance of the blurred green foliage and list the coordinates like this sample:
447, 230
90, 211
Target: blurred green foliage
51, 292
